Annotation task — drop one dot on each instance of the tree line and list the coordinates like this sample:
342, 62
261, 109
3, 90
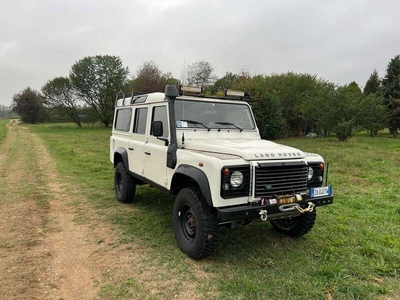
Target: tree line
290, 103
6, 112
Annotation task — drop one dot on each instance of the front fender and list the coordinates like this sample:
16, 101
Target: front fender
197, 176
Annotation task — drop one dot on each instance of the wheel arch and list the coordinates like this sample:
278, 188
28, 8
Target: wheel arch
121, 155
185, 174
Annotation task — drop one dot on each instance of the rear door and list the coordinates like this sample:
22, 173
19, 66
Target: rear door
138, 140
155, 150
121, 130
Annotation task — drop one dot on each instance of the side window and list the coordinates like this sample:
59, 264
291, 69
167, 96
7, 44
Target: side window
160, 114
140, 121
123, 119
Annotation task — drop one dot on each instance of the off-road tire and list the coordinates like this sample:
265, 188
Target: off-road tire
197, 239
124, 184
296, 227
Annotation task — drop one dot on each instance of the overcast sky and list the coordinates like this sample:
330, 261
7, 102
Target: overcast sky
340, 41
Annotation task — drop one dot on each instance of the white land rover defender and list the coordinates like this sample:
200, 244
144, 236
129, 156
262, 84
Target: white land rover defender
208, 153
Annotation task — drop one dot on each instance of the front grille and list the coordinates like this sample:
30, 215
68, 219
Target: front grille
275, 179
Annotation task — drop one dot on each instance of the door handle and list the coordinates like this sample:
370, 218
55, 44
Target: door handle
131, 148
147, 153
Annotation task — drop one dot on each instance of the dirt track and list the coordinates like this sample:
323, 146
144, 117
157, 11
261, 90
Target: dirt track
44, 251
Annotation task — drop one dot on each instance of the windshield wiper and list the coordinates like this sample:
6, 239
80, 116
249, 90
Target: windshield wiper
197, 123
229, 123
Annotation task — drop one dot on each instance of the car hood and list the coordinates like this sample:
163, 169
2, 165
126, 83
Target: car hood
247, 149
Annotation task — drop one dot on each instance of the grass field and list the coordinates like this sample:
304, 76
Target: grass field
3, 128
353, 252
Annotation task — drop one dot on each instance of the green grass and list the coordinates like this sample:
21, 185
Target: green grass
3, 128
353, 252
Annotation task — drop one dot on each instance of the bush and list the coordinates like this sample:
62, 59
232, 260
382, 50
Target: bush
345, 130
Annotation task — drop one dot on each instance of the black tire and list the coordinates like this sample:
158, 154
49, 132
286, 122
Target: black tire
195, 224
124, 184
296, 227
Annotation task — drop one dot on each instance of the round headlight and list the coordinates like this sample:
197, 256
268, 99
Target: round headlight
236, 179
310, 173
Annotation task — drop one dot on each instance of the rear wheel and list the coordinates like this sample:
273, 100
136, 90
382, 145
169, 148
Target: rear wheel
297, 226
195, 224
124, 184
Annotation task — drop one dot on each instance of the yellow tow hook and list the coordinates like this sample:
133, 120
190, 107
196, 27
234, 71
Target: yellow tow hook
310, 208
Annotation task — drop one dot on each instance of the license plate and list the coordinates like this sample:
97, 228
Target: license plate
321, 191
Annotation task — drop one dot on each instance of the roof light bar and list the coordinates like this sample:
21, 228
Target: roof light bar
191, 89
233, 93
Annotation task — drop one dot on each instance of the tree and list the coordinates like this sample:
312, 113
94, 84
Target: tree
267, 111
373, 83
149, 78
320, 110
201, 73
97, 80
59, 94
391, 88
347, 111
373, 114
223, 83
28, 105
298, 95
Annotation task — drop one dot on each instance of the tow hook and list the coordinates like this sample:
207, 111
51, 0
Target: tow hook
263, 215
310, 208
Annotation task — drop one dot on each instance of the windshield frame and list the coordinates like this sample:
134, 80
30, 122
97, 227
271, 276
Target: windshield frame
221, 102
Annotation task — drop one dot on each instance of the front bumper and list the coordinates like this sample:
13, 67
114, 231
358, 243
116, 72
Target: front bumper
249, 211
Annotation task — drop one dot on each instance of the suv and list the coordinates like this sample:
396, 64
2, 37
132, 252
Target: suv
208, 153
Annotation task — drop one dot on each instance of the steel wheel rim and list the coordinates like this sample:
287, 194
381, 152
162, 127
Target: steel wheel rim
188, 223
119, 183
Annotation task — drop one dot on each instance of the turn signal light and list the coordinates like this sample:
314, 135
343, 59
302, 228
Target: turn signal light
321, 166
226, 172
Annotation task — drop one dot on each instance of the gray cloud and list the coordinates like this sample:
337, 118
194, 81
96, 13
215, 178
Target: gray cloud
341, 41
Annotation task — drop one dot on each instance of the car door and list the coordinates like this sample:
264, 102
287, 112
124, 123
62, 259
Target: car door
121, 133
138, 140
155, 149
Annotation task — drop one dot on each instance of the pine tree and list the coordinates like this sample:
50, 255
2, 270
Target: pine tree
373, 84
391, 86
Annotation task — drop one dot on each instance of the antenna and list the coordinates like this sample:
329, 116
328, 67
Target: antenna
183, 140
184, 71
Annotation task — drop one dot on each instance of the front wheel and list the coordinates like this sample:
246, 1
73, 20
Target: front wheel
298, 226
195, 224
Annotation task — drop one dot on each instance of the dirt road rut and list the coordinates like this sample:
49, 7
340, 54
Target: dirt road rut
44, 251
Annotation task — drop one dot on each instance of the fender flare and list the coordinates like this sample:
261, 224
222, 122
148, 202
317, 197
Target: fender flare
124, 155
196, 175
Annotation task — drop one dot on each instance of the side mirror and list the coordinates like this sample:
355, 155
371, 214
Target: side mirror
157, 128
266, 132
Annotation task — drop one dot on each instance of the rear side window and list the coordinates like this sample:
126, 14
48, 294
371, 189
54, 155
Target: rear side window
123, 119
160, 114
140, 121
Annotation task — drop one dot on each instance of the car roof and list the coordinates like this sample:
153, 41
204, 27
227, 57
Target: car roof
160, 97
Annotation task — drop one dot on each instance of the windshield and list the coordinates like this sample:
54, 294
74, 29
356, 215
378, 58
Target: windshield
212, 115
